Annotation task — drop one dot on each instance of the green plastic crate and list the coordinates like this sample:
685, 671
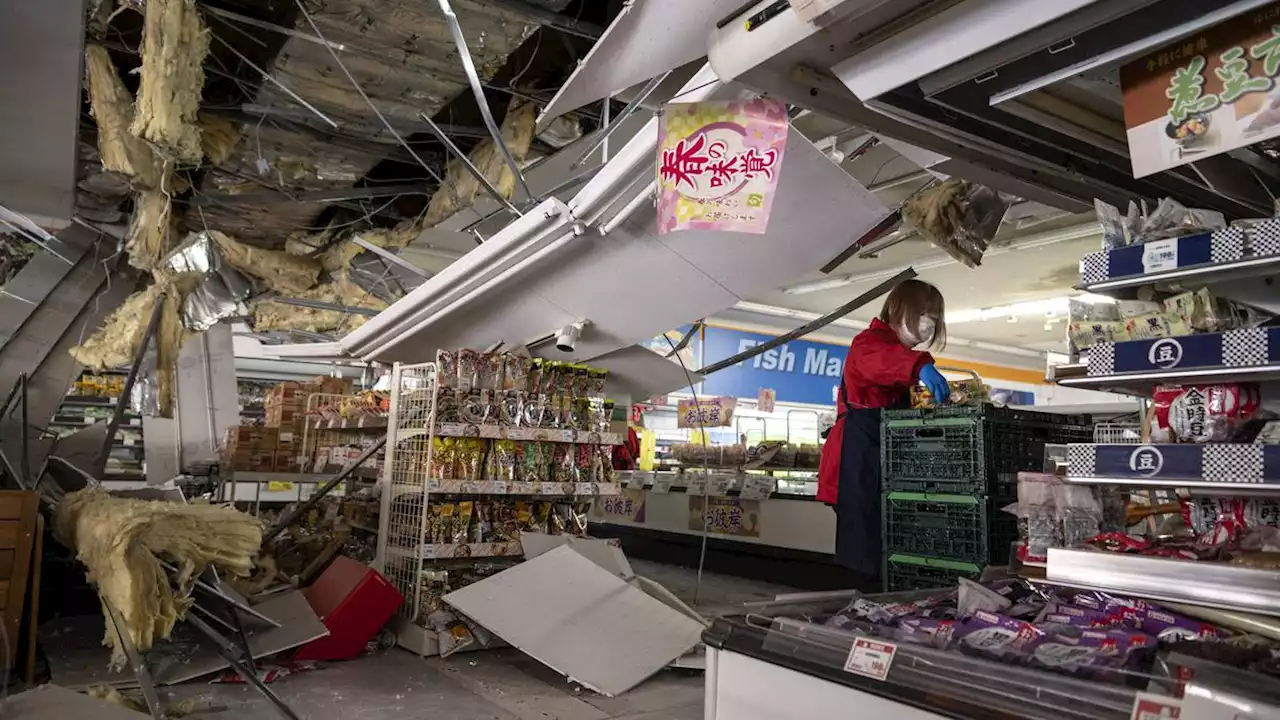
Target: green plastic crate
912, 572
969, 450
966, 528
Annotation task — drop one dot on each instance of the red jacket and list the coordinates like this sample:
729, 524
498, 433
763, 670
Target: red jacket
878, 373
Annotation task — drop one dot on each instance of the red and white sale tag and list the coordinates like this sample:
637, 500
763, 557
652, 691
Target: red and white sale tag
1147, 706
870, 658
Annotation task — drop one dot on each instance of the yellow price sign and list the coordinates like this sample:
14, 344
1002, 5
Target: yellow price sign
279, 485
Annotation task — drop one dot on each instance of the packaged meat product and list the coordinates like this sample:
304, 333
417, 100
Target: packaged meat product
1202, 413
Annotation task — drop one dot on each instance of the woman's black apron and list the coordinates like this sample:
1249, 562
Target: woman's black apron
858, 541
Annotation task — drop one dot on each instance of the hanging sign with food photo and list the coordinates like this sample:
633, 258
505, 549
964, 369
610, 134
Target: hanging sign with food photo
1205, 94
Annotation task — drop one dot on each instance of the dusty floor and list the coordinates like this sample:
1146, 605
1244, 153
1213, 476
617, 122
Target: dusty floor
487, 685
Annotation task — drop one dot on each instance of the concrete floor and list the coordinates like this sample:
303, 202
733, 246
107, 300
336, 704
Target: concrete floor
487, 685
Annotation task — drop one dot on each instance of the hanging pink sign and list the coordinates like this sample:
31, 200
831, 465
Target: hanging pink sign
718, 164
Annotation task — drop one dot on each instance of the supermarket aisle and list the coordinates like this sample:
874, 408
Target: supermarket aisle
489, 685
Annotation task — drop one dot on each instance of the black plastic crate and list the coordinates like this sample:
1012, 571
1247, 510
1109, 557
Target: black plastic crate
969, 450
955, 527
912, 572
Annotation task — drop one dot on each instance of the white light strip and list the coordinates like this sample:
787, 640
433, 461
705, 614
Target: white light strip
1049, 307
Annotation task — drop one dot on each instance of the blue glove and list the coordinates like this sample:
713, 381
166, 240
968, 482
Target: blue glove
937, 384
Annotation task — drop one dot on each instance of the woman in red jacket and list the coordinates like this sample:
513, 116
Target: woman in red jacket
879, 372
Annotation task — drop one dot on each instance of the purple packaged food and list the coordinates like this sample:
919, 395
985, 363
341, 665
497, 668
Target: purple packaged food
994, 634
925, 631
1169, 626
1077, 616
1099, 648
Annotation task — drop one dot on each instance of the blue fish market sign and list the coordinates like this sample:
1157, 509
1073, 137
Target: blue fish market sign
800, 371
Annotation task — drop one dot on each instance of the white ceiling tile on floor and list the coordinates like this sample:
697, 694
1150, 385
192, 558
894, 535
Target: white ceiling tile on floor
579, 619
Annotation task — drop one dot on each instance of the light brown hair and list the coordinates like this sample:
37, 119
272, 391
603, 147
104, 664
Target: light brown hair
909, 301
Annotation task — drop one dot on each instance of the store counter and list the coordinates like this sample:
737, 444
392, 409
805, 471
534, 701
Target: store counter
785, 538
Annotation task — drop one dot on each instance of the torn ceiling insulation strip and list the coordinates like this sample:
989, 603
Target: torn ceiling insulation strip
120, 541
174, 45
532, 278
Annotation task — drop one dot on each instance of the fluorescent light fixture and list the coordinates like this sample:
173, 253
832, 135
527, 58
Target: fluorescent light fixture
819, 285
1047, 308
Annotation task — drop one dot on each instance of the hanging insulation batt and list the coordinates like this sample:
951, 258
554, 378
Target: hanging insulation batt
460, 186
147, 241
270, 315
116, 342
112, 108
282, 272
120, 541
174, 45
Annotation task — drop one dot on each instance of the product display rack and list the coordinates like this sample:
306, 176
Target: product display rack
1219, 260
404, 551
127, 461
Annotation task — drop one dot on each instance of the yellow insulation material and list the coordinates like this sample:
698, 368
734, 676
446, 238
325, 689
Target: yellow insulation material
112, 108
147, 241
282, 271
218, 137
116, 342
460, 186
121, 540
270, 315
174, 45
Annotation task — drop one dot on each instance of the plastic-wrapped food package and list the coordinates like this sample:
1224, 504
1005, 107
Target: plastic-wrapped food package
1202, 413
1078, 511
1115, 232
1037, 518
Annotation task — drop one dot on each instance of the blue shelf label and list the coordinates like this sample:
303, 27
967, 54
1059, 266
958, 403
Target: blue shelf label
1232, 349
1234, 464
1220, 246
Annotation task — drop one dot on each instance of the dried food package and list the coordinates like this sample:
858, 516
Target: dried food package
468, 369
447, 368
461, 531
470, 459
511, 407
447, 405
502, 460
516, 372
489, 369
444, 458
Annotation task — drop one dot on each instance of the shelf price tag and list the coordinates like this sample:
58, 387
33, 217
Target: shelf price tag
1160, 255
637, 479
695, 484
871, 658
662, 483
1148, 706
757, 487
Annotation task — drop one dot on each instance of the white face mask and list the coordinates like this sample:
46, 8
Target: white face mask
921, 335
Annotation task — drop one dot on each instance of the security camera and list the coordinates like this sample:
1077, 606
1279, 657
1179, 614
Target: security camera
567, 338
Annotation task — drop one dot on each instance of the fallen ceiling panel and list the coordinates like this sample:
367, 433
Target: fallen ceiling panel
632, 284
648, 38
580, 619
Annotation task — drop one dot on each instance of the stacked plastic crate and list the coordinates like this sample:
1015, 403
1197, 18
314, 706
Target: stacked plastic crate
948, 474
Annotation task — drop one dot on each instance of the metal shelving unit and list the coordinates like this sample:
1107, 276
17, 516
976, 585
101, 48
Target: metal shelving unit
1215, 260
404, 550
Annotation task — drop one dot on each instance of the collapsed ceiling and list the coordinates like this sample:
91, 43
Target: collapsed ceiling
294, 126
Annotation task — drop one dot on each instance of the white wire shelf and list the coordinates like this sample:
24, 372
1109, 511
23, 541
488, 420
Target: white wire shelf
506, 432
454, 551
364, 422
503, 487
